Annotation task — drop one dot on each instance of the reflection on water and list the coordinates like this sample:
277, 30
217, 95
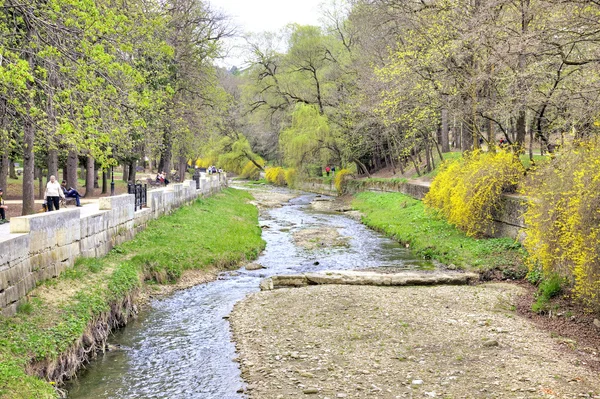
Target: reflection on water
180, 348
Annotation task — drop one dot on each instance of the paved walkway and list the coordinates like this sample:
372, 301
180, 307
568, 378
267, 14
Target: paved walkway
87, 209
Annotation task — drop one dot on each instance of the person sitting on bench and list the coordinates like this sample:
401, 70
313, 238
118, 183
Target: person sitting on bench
70, 192
3, 209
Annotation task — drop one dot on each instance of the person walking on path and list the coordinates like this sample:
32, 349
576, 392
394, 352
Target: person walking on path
70, 192
327, 170
3, 209
54, 193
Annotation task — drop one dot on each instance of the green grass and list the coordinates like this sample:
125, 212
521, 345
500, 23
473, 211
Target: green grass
406, 220
548, 289
448, 156
536, 159
221, 230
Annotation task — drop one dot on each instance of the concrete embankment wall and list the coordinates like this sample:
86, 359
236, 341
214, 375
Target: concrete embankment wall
43, 245
508, 219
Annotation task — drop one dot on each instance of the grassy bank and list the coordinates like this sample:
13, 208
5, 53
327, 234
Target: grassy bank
405, 219
52, 331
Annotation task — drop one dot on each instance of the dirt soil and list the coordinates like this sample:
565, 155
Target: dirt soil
402, 342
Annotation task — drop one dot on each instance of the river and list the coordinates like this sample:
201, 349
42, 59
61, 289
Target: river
180, 346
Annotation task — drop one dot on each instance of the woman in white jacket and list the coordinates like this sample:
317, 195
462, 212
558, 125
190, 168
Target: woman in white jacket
53, 194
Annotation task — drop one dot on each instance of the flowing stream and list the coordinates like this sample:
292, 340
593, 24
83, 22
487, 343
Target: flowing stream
180, 347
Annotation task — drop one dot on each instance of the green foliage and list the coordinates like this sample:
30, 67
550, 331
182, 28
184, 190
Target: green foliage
404, 219
468, 190
304, 142
549, 287
186, 239
563, 219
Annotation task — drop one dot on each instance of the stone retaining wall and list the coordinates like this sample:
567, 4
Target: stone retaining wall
43, 245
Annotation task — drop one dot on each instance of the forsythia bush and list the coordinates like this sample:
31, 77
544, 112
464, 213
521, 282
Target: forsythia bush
250, 171
291, 175
340, 180
466, 191
276, 176
563, 219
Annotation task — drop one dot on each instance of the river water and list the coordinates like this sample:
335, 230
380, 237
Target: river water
180, 347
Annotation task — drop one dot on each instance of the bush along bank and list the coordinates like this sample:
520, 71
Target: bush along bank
67, 320
405, 219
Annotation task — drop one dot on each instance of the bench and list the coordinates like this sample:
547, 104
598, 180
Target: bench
153, 183
65, 202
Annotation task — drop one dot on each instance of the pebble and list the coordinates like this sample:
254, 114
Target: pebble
417, 382
491, 343
310, 391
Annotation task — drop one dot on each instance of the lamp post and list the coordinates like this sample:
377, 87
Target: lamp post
112, 181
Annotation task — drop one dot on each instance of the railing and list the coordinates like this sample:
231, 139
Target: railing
140, 191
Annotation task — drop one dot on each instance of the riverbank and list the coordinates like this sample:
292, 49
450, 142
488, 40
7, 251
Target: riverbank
405, 219
66, 320
401, 342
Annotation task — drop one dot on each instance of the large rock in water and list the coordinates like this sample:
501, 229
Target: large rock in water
352, 277
254, 266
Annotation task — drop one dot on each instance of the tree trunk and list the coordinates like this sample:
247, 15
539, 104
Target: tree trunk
96, 185
125, 172
28, 165
132, 171
72, 163
491, 136
4, 170
466, 135
89, 177
166, 153
104, 182
52, 162
445, 136
415, 165
39, 174
427, 157
521, 130
182, 168
11, 169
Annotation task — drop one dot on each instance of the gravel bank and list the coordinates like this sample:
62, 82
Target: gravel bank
401, 342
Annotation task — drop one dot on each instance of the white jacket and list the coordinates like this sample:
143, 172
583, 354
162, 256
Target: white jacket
54, 190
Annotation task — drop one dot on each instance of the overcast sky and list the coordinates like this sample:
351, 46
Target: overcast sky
264, 15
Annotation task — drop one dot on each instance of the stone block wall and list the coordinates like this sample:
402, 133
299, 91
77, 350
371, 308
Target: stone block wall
43, 245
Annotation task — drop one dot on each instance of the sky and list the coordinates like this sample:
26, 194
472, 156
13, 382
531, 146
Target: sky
263, 15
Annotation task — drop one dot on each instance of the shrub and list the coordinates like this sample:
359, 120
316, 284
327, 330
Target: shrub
468, 190
291, 176
250, 171
276, 176
341, 178
563, 219
549, 288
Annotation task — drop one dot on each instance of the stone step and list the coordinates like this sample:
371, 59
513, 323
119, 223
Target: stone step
356, 277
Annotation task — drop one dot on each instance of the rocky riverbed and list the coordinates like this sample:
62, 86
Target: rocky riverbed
401, 342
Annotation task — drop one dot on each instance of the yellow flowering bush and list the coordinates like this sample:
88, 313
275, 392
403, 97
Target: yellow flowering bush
276, 176
250, 171
467, 190
563, 219
340, 180
291, 176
